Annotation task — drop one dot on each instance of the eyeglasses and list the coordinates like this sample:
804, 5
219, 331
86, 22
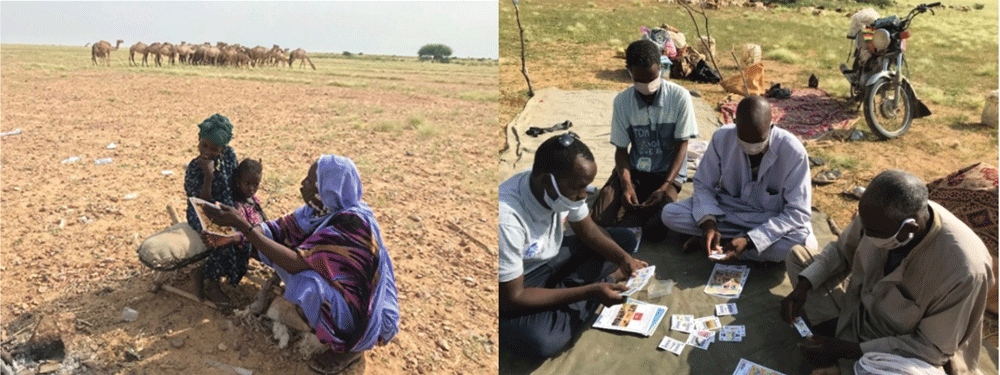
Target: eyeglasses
567, 138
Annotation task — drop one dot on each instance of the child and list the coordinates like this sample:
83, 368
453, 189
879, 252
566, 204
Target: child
246, 181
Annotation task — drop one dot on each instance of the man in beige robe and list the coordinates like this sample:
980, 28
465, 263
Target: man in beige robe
906, 277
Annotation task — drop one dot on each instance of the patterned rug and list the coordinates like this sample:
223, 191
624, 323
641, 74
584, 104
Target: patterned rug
808, 113
971, 194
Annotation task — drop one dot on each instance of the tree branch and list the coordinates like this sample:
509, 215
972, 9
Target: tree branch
524, 67
704, 41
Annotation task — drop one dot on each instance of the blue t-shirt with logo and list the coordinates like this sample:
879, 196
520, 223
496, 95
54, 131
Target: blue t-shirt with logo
653, 130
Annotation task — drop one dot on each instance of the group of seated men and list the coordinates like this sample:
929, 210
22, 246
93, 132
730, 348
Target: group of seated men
905, 277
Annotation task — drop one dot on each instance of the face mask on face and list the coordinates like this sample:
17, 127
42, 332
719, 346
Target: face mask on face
753, 148
648, 88
561, 203
891, 242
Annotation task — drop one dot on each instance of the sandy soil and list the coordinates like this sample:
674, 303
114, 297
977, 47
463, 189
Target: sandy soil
69, 231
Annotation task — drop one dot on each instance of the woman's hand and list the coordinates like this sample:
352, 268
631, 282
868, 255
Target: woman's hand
226, 216
207, 165
213, 240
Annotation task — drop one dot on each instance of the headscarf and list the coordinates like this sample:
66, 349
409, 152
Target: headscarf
340, 191
217, 129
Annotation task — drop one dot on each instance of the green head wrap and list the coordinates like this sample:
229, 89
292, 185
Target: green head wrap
217, 129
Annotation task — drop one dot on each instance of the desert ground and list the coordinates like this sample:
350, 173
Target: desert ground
420, 133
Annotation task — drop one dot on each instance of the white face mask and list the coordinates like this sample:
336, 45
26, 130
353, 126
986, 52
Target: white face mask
648, 88
561, 204
753, 148
891, 242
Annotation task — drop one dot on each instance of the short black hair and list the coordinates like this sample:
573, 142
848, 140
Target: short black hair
642, 53
552, 157
249, 167
900, 193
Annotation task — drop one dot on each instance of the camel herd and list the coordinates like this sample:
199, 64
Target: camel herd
221, 54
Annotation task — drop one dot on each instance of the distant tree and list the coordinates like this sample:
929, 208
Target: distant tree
347, 53
437, 52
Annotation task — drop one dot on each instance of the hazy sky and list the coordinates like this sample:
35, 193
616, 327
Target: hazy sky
372, 27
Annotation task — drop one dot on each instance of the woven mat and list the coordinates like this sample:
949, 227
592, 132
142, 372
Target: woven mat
808, 113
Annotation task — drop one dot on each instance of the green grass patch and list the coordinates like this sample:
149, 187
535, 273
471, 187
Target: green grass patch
416, 121
386, 126
783, 55
425, 131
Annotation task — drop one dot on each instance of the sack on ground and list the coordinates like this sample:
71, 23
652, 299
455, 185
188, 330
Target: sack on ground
702, 73
755, 81
172, 248
749, 54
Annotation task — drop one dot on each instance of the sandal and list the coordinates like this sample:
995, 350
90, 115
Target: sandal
340, 362
826, 177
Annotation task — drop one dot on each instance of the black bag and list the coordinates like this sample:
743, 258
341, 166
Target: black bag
703, 74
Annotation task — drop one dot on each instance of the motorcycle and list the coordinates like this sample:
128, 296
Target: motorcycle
876, 77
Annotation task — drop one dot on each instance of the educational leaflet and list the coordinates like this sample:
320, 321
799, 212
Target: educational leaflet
732, 333
671, 345
207, 224
632, 316
640, 280
682, 323
701, 339
727, 280
726, 309
746, 367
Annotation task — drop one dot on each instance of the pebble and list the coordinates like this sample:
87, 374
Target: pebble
244, 352
177, 343
443, 344
222, 347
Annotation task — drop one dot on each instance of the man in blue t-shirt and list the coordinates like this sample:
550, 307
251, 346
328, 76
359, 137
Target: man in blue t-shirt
652, 122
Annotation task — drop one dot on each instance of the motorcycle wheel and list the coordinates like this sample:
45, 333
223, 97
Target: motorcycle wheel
887, 116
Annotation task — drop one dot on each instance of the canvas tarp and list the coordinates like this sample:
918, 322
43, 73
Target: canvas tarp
590, 113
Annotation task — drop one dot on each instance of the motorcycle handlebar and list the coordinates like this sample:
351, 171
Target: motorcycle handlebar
925, 7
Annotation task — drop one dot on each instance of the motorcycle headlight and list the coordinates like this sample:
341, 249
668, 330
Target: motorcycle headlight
880, 40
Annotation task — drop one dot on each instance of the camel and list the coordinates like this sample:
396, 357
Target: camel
257, 55
198, 58
184, 52
166, 50
138, 47
151, 49
213, 53
301, 55
103, 50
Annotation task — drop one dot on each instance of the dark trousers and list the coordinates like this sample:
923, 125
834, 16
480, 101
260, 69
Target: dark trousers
544, 333
610, 210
